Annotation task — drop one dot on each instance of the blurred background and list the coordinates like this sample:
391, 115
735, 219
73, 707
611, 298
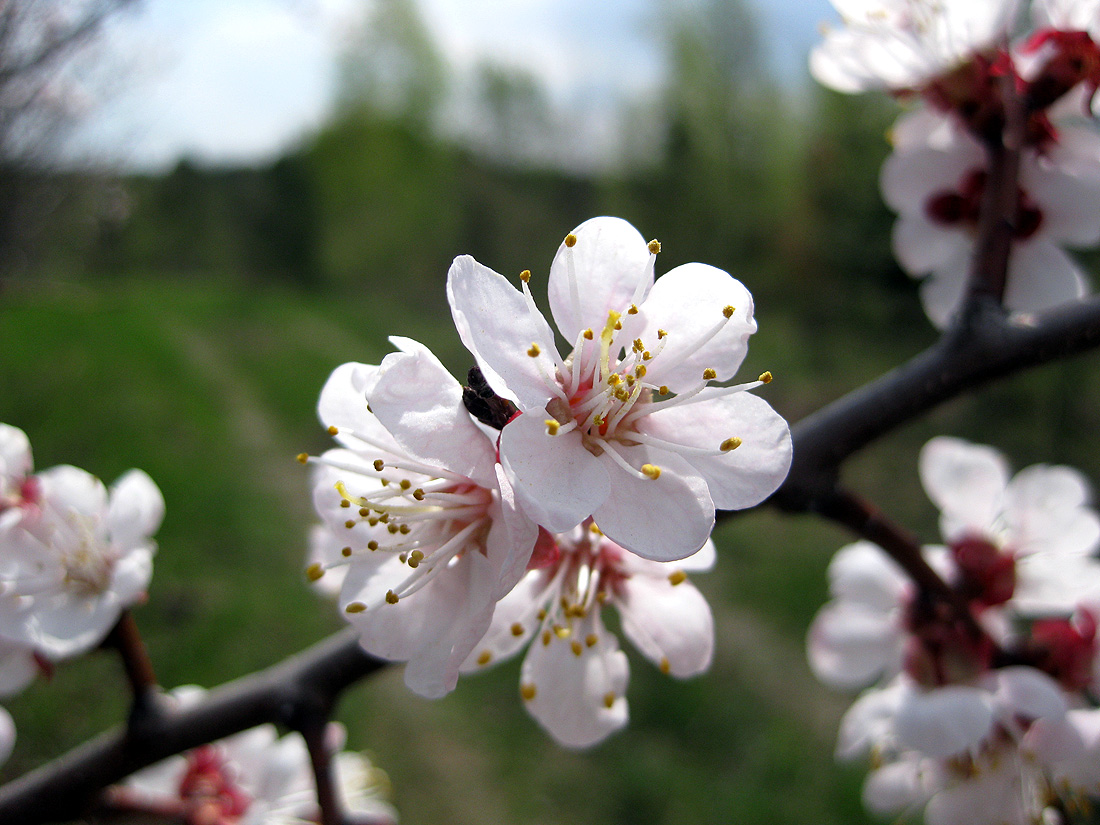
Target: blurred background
205, 207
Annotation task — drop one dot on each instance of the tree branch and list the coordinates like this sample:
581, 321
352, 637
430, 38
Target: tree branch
69, 785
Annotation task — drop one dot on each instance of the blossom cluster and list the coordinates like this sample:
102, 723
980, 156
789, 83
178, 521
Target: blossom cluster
253, 778
982, 710
73, 556
461, 524
978, 86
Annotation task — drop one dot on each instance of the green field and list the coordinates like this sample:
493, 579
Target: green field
210, 387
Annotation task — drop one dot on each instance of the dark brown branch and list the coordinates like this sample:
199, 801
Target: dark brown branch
991, 346
126, 639
68, 786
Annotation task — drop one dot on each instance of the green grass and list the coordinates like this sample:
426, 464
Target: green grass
211, 387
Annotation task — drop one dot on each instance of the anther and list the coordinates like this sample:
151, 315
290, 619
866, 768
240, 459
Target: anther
391, 597
728, 310
379, 464
730, 444
651, 471
415, 557
349, 523
661, 334
364, 511
618, 325
372, 545
663, 389
393, 528
666, 665
404, 529
638, 345
405, 484
646, 355
525, 276
552, 426
534, 351
314, 572
527, 692
484, 658
355, 607
517, 629
654, 246
589, 334
709, 374
418, 494
593, 528
633, 310
640, 370
609, 700
345, 552
590, 640
765, 377
570, 240
404, 557
677, 577
546, 637
562, 632
303, 458
577, 648
345, 503
333, 430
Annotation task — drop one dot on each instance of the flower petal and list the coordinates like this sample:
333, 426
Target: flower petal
578, 699
966, 481
851, 645
499, 326
15, 454
608, 268
670, 623
556, 479
663, 519
135, 511
739, 478
689, 304
944, 721
420, 404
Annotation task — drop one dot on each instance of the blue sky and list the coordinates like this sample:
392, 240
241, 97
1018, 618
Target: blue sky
239, 80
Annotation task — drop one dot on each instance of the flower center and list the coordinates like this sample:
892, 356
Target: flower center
427, 521
87, 560
961, 207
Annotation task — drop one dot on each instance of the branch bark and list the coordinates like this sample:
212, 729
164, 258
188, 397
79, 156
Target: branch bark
68, 786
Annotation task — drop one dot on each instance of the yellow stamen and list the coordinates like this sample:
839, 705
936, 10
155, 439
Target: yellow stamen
517, 629
651, 471
730, 444
576, 647
527, 692
728, 311
391, 597
766, 377
709, 374
355, 607
591, 640
666, 666
372, 545
314, 572
589, 334
534, 351
345, 552
484, 657
677, 577
609, 700
303, 458
379, 464
525, 276
552, 426
333, 430
654, 246
570, 240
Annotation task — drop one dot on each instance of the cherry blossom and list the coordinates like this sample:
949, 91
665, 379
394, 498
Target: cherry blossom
1001, 751
7, 735
574, 675
628, 427
253, 778
907, 44
935, 181
73, 554
428, 532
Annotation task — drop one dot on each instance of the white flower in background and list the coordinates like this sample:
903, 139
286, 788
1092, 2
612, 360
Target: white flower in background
73, 556
427, 529
1068, 15
935, 180
627, 428
254, 778
17, 486
574, 676
1031, 537
1001, 751
7, 735
905, 44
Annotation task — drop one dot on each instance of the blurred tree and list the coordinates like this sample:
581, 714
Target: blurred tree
40, 40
